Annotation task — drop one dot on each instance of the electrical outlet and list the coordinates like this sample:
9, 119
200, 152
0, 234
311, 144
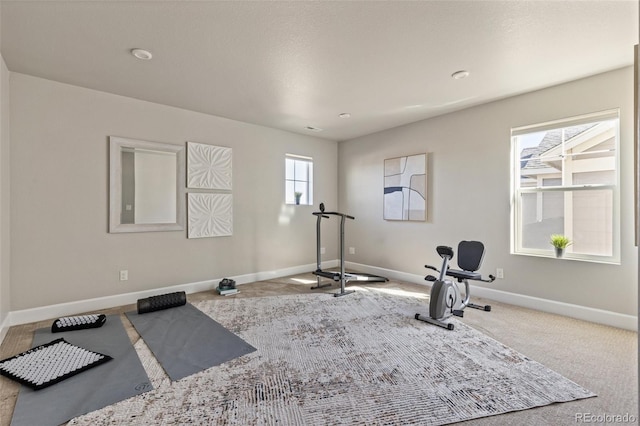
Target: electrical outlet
323, 250
352, 250
124, 275
500, 273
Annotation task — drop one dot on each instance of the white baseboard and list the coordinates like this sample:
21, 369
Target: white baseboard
585, 313
80, 306
267, 275
41, 313
600, 316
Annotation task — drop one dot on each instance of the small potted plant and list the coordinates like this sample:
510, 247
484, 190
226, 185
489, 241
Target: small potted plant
297, 195
560, 242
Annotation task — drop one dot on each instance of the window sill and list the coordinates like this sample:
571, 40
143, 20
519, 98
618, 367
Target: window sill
571, 256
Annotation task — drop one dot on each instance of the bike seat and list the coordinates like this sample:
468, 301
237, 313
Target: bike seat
464, 275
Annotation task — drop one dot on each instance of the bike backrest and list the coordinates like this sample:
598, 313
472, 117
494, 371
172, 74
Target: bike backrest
470, 255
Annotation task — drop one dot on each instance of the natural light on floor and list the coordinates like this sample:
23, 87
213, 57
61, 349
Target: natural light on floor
398, 292
303, 280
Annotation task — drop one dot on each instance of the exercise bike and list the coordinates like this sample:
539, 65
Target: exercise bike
445, 299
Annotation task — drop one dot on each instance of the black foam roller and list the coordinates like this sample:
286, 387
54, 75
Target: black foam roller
162, 301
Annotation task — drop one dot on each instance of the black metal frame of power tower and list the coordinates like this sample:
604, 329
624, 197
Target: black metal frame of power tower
341, 276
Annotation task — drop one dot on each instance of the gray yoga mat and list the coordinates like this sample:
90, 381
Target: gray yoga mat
186, 341
116, 380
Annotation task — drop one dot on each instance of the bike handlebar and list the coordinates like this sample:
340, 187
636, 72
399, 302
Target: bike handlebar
485, 280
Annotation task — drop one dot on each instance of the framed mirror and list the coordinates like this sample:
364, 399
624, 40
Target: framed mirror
146, 186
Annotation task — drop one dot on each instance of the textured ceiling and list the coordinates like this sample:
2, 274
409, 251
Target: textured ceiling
290, 65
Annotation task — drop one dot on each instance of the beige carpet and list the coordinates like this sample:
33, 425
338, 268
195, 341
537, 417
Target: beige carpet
360, 359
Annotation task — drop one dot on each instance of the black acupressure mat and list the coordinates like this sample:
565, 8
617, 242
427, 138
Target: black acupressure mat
186, 341
116, 380
51, 363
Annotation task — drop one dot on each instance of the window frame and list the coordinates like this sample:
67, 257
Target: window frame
517, 192
308, 183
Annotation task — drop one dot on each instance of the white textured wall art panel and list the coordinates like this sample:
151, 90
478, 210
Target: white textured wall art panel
210, 215
208, 166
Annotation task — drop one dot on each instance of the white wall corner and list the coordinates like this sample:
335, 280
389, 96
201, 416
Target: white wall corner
4, 327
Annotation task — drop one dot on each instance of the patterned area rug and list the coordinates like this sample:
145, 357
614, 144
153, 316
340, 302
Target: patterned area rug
359, 359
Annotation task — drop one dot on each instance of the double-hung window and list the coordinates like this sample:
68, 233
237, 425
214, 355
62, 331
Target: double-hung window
298, 179
566, 181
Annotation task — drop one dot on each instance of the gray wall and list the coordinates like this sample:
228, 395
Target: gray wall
5, 255
61, 251
60, 248
469, 194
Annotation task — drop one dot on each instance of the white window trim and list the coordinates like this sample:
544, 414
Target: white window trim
516, 230
309, 180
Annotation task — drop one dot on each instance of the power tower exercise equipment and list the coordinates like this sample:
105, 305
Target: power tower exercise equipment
342, 276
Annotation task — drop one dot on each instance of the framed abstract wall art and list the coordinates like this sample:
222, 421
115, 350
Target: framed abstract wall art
405, 188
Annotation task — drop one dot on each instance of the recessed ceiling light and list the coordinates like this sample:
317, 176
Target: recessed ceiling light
459, 75
344, 115
313, 129
145, 55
